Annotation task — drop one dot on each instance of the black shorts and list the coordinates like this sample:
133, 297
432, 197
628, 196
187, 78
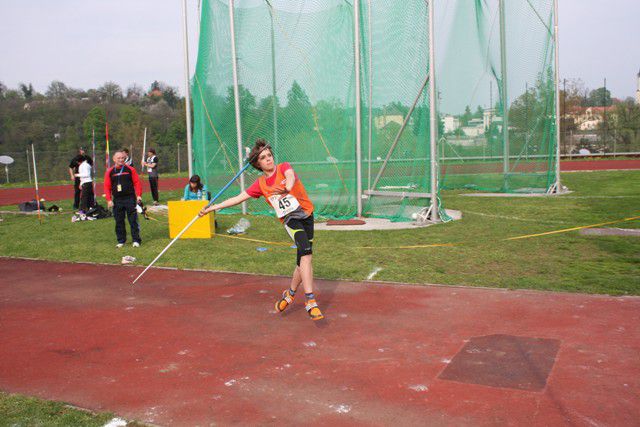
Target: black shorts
301, 232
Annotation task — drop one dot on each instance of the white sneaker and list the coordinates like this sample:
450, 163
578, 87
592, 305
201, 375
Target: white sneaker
136, 244
119, 245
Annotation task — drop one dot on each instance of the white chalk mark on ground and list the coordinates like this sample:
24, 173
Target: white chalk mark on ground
116, 422
227, 296
171, 367
419, 387
341, 409
374, 272
230, 383
263, 291
183, 352
310, 344
446, 360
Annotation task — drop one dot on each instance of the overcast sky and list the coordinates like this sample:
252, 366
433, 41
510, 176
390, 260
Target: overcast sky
87, 42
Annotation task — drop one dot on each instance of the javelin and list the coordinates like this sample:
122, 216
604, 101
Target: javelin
195, 218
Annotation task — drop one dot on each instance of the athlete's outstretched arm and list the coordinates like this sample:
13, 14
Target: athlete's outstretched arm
235, 200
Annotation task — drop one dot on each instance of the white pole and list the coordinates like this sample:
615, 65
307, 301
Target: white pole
187, 92
144, 150
505, 99
35, 176
28, 165
558, 184
236, 96
356, 43
433, 121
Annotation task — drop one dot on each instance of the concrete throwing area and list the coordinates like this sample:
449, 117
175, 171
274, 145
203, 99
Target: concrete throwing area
202, 348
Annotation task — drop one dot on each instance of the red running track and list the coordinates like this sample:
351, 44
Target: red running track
13, 196
204, 348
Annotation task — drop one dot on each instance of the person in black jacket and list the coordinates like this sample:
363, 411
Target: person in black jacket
123, 190
151, 164
73, 171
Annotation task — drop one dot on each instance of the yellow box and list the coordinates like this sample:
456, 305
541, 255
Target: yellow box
182, 212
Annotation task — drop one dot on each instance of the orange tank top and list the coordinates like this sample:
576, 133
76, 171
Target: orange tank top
280, 204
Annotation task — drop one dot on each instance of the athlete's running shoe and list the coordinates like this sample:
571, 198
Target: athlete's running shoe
313, 310
286, 301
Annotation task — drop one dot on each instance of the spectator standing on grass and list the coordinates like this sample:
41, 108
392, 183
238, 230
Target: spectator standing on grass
86, 186
73, 174
123, 190
195, 190
151, 164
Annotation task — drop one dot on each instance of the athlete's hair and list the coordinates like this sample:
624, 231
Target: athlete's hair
260, 145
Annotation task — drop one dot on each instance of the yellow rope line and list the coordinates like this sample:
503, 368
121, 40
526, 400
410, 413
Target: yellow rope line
565, 230
254, 240
409, 247
206, 110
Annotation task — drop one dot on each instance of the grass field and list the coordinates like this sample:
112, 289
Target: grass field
480, 257
16, 410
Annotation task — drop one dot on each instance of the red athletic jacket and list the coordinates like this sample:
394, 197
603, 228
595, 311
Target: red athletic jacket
124, 176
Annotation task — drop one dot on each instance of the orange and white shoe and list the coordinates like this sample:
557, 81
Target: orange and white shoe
313, 310
286, 301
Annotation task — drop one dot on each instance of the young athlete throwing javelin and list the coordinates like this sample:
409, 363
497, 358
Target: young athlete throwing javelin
284, 191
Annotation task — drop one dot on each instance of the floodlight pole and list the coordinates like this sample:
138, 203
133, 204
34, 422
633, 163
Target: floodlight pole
505, 99
187, 97
557, 186
433, 120
356, 46
236, 97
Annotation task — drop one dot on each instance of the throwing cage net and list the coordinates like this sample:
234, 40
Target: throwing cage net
296, 86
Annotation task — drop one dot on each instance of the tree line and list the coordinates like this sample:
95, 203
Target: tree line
63, 119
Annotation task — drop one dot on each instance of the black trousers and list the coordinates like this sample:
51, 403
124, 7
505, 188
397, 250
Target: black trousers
76, 193
87, 197
122, 208
153, 183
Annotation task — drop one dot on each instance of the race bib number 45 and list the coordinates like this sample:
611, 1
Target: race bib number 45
284, 205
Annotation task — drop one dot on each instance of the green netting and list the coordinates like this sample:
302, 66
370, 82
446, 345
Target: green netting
297, 89
475, 63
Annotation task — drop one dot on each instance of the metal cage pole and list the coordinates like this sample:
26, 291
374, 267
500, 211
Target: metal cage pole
273, 85
557, 185
433, 121
236, 97
356, 45
187, 97
370, 100
505, 99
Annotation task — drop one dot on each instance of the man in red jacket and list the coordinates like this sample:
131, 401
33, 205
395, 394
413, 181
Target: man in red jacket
122, 189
